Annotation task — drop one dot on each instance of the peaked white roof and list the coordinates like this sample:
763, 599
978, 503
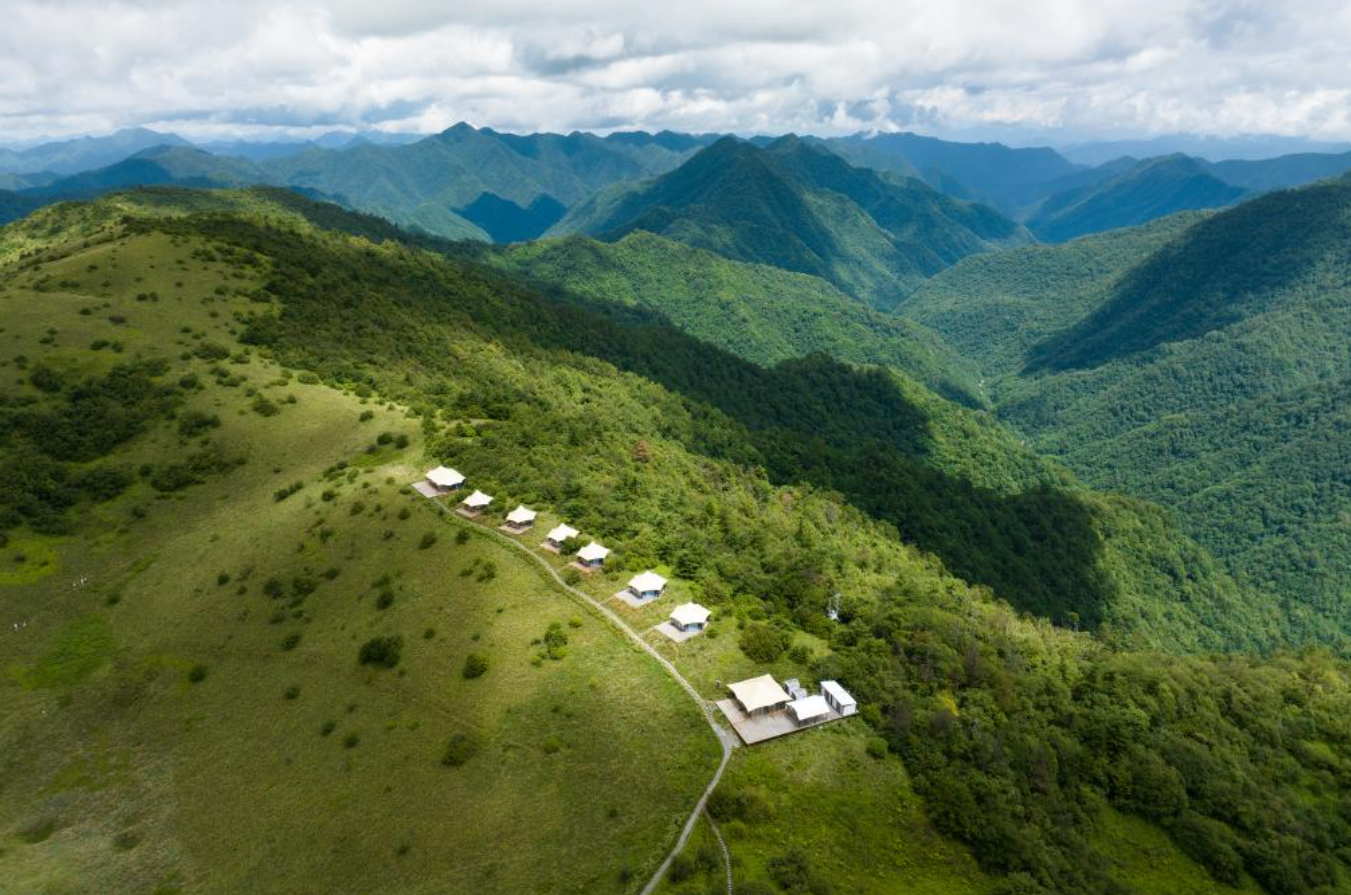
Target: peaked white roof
476, 500
593, 551
837, 693
758, 692
647, 581
561, 533
521, 515
809, 707
689, 614
445, 477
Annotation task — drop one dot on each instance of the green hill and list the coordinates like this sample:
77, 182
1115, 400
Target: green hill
797, 206
163, 730
762, 313
1202, 364
1152, 189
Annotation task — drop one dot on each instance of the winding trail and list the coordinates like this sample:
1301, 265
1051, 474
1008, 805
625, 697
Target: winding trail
726, 739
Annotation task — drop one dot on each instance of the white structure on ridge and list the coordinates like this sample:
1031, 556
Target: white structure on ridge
521, 518
647, 586
689, 617
560, 533
592, 555
443, 478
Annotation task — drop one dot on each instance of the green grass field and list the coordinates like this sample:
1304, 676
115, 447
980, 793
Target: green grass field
288, 766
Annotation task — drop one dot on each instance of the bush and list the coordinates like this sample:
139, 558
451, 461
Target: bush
282, 493
197, 673
555, 641
428, 539
475, 665
172, 477
290, 641
44, 378
764, 643
462, 537
192, 423
384, 651
682, 868
462, 747
264, 407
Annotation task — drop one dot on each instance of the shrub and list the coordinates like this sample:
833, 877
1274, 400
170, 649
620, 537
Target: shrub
327, 728
172, 477
682, 868
384, 651
291, 692
475, 665
350, 741
290, 641
282, 493
197, 673
572, 577
462, 747
462, 537
366, 416
763, 643
385, 599
192, 423
45, 379
555, 641
428, 539
264, 407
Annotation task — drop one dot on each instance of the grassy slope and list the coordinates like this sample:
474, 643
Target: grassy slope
518, 416
761, 313
134, 778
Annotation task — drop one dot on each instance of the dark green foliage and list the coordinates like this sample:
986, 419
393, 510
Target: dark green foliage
462, 747
475, 665
290, 641
192, 423
197, 673
263, 406
45, 379
384, 651
428, 539
764, 643
800, 207
555, 641
505, 221
282, 493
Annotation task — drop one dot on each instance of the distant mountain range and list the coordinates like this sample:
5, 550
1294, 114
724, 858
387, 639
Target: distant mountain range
477, 183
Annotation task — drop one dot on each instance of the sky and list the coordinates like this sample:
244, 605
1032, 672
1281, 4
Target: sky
1096, 69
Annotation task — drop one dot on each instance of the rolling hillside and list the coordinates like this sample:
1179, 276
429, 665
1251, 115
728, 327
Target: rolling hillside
1201, 365
760, 491
1152, 189
798, 206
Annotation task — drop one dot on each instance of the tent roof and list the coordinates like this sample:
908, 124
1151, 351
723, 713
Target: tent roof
809, 707
647, 581
593, 551
477, 499
838, 693
445, 477
690, 614
521, 515
758, 693
561, 533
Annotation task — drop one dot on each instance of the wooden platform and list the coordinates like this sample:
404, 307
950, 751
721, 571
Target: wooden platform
757, 728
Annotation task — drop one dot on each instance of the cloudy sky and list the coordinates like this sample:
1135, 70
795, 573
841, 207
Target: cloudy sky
1077, 68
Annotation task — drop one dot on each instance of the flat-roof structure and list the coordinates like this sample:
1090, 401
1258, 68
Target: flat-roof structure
690, 617
839, 698
809, 708
521, 516
758, 694
443, 478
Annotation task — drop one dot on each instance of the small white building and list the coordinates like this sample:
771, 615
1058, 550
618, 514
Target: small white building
795, 688
592, 556
555, 538
689, 617
521, 518
443, 478
759, 694
475, 503
809, 709
647, 586
839, 698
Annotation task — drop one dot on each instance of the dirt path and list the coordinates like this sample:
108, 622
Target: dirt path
727, 739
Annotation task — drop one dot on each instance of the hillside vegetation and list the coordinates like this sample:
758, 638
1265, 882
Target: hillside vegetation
799, 206
1206, 371
1054, 756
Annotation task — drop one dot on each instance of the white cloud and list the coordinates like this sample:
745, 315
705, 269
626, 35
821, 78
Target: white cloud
1089, 67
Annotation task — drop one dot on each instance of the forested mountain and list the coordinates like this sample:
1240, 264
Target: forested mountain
1260, 175
84, 153
238, 353
987, 172
1148, 190
798, 206
156, 166
762, 313
1200, 362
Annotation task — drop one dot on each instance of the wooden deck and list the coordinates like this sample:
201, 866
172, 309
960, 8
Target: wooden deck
757, 728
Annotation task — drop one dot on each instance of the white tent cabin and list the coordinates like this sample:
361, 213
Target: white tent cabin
444, 479
809, 709
521, 518
475, 503
592, 556
555, 538
759, 694
647, 586
689, 617
839, 698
